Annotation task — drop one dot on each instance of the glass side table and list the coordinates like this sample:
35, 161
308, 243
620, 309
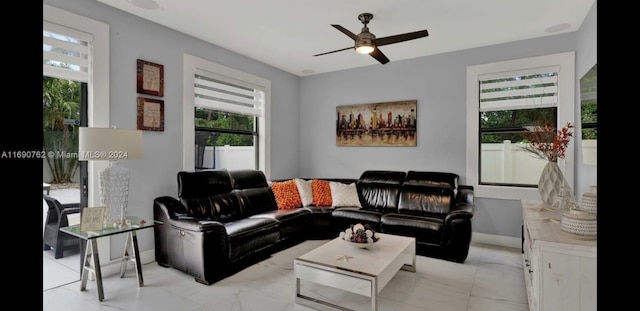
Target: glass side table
131, 252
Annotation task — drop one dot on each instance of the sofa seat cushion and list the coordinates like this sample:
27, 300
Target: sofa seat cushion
425, 229
320, 209
344, 217
284, 215
250, 234
293, 222
320, 219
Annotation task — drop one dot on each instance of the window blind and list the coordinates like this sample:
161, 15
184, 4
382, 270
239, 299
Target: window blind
65, 52
534, 88
217, 92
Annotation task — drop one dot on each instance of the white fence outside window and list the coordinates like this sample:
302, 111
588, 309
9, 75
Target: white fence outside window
501, 162
508, 163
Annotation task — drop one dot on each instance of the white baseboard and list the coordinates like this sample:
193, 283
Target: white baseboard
499, 240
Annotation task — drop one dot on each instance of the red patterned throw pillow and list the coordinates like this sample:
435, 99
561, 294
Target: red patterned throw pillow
286, 193
321, 192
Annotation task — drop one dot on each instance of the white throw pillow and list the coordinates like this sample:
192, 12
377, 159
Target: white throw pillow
344, 195
305, 191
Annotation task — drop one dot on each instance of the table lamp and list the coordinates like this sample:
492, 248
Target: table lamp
113, 145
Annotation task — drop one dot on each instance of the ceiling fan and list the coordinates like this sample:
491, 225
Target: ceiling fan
367, 43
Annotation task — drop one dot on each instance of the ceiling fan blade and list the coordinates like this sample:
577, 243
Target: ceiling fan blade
345, 31
377, 54
334, 51
400, 38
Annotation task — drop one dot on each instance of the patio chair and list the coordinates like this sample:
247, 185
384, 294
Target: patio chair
57, 218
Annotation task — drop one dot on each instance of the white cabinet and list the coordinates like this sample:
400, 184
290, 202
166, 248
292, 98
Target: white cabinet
560, 272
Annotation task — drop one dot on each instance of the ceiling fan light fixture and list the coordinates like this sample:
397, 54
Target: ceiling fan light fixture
364, 42
364, 48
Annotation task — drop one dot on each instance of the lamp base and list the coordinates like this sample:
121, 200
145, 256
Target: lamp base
114, 193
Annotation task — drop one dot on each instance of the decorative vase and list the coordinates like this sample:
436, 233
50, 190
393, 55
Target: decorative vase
552, 183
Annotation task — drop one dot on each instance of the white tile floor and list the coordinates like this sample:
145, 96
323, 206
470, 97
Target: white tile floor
490, 279
61, 271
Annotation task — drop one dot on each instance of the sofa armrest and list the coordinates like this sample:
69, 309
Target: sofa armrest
462, 211
463, 205
465, 195
169, 208
171, 211
196, 245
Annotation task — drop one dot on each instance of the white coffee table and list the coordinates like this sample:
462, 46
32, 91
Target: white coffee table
362, 271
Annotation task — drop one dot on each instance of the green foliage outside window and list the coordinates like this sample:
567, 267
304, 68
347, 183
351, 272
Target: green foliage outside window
589, 107
498, 126
60, 101
230, 129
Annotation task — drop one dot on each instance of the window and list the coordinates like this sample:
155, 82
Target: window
589, 103
82, 44
510, 104
226, 118
65, 76
90, 65
503, 100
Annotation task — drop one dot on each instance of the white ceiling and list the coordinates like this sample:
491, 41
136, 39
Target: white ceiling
287, 33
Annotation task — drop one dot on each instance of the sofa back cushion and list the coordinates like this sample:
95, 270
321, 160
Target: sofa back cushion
379, 190
245, 179
428, 193
256, 200
434, 178
223, 207
425, 200
197, 188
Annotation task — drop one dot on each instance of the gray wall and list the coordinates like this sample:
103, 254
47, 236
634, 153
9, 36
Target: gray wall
303, 142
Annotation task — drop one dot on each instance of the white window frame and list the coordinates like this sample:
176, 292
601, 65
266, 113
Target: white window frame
566, 110
192, 65
97, 91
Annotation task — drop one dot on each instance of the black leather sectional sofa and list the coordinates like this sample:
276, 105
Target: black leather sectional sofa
221, 220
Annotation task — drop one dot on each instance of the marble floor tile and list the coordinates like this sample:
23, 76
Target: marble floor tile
61, 271
490, 279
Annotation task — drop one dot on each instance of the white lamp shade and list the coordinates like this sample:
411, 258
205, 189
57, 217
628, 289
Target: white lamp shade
109, 144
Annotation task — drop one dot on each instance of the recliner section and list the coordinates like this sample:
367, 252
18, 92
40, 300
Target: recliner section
432, 209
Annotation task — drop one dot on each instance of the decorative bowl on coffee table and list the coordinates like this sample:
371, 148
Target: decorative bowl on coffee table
358, 235
360, 245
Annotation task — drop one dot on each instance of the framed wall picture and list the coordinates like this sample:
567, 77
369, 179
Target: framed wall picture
150, 114
150, 78
388, 124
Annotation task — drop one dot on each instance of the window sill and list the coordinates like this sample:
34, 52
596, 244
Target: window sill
507, 193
